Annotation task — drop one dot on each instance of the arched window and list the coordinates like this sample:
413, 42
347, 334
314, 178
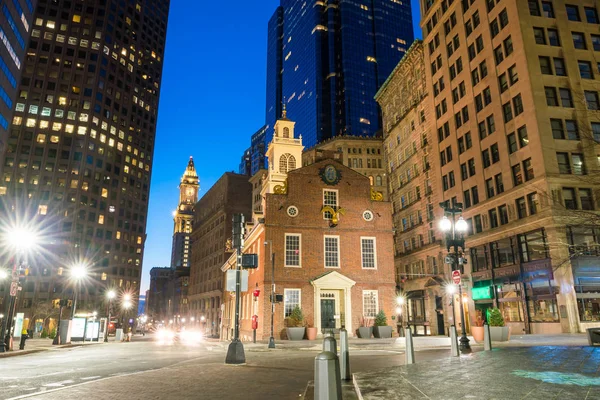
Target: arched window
283, 164
378, 181
286, 132
371, 180
291, 163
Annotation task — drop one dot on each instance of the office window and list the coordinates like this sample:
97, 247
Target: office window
368, 253
564, 167
551, 99
585, 69
545, 66
485, 155
532, 203
517, 175
553, 37
489, 187
503, 211
596, 131
572, 12
566, 99
521, 207
559, 67
539, 35
463, 171
591, 14
493, 215
586, 200
512, 143
518, 104
332, 251
578, 164
478, 225
547, 9
291, 300
569, 198
507, 111
591, 98
523, 137
503, 83
499, 183
534, 8
475, 195
528, 168
508, 46
579, 40
572, 130
467, 199
495, 153
557, 128
292, 250
471, 165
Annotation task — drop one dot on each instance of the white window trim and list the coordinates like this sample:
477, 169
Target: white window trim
299, 298
376, 301
374, 252
339, 245
337, 200
299, 250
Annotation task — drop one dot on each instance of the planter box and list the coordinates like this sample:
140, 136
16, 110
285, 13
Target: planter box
311, 333
382, 332
477, 332
295, 333
365, 332
499, 333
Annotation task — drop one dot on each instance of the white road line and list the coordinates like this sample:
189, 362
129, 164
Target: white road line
90, 377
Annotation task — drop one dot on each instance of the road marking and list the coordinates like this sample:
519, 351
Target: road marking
63, 383
90, 377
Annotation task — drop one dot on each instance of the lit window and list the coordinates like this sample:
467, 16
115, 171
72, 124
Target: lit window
42, 209
370, 303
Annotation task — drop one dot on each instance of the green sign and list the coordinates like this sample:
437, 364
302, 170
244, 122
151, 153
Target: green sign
482, 293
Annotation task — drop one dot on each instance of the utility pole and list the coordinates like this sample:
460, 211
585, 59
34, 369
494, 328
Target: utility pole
235, 351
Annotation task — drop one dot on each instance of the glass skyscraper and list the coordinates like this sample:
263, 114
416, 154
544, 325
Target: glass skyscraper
327, 59
80, 147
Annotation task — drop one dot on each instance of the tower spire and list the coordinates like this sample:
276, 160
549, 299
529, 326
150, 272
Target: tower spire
284, 110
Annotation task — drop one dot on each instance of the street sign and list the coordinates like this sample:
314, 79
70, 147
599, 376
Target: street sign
14, 287
456, 277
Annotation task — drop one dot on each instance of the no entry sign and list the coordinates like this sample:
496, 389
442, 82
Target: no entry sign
456, 277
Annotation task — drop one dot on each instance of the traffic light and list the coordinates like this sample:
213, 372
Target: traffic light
238, 231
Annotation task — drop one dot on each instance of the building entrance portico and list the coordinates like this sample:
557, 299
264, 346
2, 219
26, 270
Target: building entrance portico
333, 302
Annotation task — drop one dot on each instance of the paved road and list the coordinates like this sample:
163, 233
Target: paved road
143, 370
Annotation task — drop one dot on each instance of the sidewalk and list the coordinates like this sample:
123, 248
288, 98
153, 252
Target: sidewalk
507, 373
37, 345
419, 342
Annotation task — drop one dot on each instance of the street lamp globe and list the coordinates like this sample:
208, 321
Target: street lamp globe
461, 225
400, 300
79, 271
192, 319
127, 297
3, 274
127, 304
451, 288
183, 320
398, 310
445, 224
111, 294
202, 318
22, 239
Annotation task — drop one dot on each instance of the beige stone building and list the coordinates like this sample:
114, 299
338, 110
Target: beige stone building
516, 119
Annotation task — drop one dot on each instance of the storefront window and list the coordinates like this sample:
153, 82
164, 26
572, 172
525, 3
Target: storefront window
583, 240
589, 309
416, 306
510, 303
545, 310
541, 293
586, 273
532, 246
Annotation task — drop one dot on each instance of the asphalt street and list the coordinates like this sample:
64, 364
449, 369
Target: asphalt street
144, 370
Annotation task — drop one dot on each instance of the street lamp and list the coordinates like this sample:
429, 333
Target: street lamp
400, 301
455, 231
127, 304
272, 337
78, 273
110, 295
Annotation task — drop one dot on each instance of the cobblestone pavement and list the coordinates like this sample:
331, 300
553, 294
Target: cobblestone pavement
532, 373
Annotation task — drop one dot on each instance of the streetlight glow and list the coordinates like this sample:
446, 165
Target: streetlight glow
451, 288
111, 294
127, 297
461, 225
22, 239
445, 224
127, 304
79, 271
398, 310
3, 274
400, 300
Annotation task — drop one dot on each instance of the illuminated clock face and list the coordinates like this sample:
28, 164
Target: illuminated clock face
330, 175
190, 192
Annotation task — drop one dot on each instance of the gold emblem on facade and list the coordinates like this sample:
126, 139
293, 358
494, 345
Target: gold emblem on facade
281, 189
376, 196
335, 215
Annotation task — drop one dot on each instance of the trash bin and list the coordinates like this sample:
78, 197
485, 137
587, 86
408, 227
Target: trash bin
593, 336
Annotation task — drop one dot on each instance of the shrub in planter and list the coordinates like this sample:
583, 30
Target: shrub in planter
295, 325
52, 334
381, 330
44, 334
365, 330
498, 331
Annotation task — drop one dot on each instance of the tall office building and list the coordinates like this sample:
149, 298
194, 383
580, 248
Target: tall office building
327, 59
15, 28
183, 217
516, 122
81, 143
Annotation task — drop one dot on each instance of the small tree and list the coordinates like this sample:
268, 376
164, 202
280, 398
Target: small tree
380, 319
496, 318
296, 319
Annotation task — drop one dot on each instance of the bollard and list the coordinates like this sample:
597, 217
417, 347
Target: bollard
454, 341
410, 350
487, 338
328, 385
344, 356
329, 344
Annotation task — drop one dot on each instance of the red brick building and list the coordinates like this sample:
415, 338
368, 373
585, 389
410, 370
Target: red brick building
336, 264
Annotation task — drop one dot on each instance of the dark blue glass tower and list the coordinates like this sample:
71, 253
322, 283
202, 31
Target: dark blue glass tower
327, 59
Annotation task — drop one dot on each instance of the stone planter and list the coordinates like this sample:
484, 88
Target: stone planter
296, 333
365, 332
499, 333
477, 332
311, 333
382, 332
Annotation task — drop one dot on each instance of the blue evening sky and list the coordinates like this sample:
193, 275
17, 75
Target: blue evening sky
212, 100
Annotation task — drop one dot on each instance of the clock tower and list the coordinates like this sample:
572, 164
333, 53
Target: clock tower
183, 216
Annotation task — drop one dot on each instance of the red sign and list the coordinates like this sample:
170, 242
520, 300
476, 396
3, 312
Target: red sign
456, 277
14, 287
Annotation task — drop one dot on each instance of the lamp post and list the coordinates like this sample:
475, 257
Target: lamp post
20, 239
400, 301
3, 277
110, 295
272, 337
455, 231
78, 273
